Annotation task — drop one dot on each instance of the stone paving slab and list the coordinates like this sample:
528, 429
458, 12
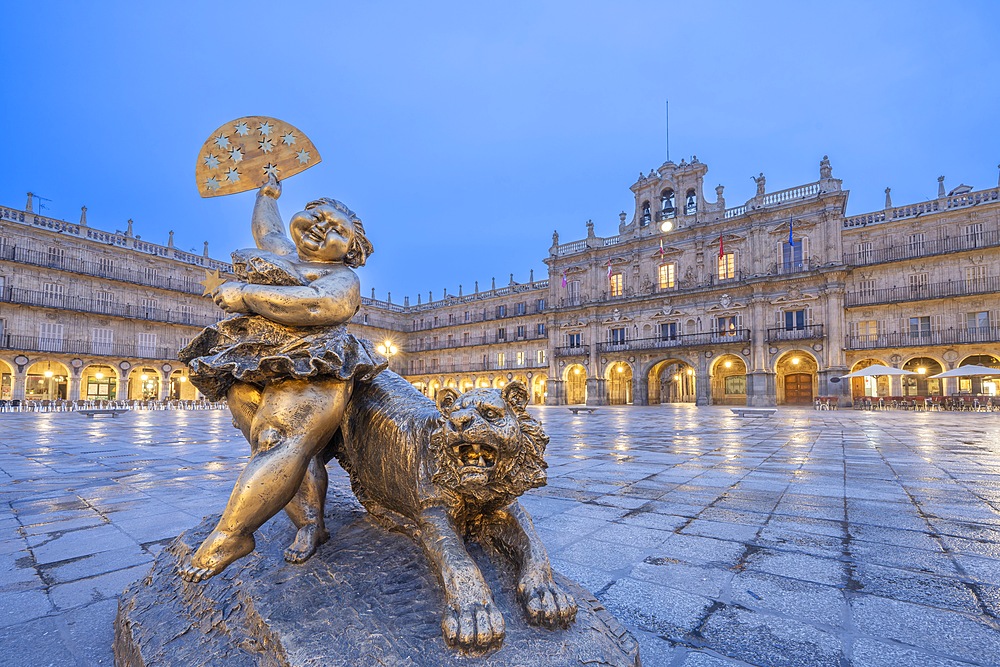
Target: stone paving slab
817, 538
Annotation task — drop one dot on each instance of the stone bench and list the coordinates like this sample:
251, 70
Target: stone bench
577, 411
753, 412
114, 412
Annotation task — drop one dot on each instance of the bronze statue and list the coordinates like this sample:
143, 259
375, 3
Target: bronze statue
441, 472
286, 365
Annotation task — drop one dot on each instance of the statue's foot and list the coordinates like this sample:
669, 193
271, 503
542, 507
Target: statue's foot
306, 541
545, 602
217, 551
473, 627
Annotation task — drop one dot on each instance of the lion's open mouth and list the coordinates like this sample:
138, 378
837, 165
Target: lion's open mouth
475, 455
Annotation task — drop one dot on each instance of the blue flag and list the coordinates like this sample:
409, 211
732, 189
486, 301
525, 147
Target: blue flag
791, 241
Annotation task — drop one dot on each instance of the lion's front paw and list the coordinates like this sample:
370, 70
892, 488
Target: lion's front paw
545, 602
474, 626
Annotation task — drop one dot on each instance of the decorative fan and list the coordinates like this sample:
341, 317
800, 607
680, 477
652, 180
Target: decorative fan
242, 154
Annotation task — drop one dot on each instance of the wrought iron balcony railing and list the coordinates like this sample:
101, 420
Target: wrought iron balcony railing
989, 334
680, 340
986, 285
807, 332
572, 351
984, 239
105, 307
88, 348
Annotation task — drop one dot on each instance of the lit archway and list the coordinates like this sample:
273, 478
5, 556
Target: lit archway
729, 380
796, 377
143, 384
539, 389
921, 384
671, 381
420, 386
433, 387
99, 383
47, 381
6, 381
467, 384
869, 386
989, 386
180, 388
576, 384
618, 376
500, 381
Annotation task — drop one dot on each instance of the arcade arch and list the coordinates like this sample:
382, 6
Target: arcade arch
979, 385
47, 381
6, 381
433, 387
729, 380
618, 375
671, 381
539, 388
575, 377
869, 386
143, 384
796, 378
921, 384
99, 383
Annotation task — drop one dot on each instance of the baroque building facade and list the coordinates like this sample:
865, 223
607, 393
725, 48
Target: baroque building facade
767, 302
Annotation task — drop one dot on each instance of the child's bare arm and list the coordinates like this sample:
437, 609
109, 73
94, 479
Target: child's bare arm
330, 300
268, 229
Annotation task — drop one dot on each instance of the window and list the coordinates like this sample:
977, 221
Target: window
918, 283
864, 252
667, 204
573, 291
978, 322
451, 318
50, 337
148, 304
364, 318
540, 306
920, 327
520, 358
56, 255
573, 340
501, 359
667, 276
501, 311
540, 329
726, 325
435, 320
646, 215
668, 331
867, 330
975, 273
616, 336
917, 243
522, 308
690, 203
146, 345
522, 331
152, 275
451, 340
974, 234
727, 266
434, 365
795, 320
791, 256
186, 313
467, 317
501, 334
866, 287
617, 284
102, 341
184, 341
105, 265
736, 384
465, 338
540, 357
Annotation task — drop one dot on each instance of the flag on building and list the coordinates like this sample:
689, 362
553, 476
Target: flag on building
564, 279
791, 240
609, 268
722, 250
661, 250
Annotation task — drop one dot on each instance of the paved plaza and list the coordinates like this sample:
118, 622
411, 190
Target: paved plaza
810, 538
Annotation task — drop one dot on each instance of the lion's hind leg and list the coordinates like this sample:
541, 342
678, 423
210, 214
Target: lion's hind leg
512, 533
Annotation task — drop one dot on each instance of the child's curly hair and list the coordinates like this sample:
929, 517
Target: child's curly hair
361, 247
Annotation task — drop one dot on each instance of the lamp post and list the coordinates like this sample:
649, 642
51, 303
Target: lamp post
387, 349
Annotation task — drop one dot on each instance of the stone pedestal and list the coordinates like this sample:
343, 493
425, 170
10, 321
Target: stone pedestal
366, 598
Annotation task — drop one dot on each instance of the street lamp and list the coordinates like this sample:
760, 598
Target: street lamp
387, 349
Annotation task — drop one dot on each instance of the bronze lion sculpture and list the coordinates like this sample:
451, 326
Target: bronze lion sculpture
441, 472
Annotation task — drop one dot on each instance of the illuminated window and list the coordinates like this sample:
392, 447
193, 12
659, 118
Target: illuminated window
667, 276
617, 284
727, 266
726, 325
520, 358
540, 357
501, 359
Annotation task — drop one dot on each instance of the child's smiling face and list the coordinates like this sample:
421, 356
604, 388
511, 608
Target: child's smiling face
321, 233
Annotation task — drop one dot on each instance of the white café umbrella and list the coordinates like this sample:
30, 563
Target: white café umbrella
972, 370
877, 370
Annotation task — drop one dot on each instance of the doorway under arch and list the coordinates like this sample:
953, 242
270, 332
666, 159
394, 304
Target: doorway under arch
47, 381
796, 374
576, 384
6, 381
922, 384
619, 383
671, 381
981, 385
539, 388
729, 380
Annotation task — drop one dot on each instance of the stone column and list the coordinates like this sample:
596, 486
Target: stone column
762, 391
20, 380
73, 390
596, 392
640, 390
895, 385
557, 393
702, 383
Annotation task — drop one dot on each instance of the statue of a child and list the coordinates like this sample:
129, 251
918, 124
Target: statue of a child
286, 366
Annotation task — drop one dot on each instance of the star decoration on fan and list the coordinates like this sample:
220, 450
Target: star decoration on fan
303, 156
271, 170
242, 129
222, 141
211, 161
288, 139
266, 145
264, 129
212, 183
212, 282
233, 175
236, 154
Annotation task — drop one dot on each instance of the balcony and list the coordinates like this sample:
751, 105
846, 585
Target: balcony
944, 290
488, 339
808, 332
985, 239
103, 307
989, 334
573, 351
85, 348
479, 367
682, 340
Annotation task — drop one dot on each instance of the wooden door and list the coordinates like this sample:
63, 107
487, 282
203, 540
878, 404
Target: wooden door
798, 389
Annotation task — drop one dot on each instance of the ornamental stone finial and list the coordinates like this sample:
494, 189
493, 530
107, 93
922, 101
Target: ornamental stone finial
622, 216
477, 287
718, 195
29, 207
373, 294
555, 237
493, 285
825, 170
388, 297
460, 289
128, 232
83, 216
940, 187
205, 252
531, 276
888, 198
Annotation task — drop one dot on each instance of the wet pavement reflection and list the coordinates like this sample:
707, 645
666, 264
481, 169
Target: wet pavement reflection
808, 538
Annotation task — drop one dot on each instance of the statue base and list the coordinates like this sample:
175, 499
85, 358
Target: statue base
366, 598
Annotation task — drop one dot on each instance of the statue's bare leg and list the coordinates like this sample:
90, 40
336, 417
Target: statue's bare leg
306, 512
295, 420
243, 400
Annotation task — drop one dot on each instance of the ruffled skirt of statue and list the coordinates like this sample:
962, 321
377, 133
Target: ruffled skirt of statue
259, 351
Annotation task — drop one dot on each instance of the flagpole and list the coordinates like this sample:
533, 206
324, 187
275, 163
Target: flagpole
668, 130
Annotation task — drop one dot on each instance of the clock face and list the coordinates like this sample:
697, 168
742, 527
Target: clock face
244, 153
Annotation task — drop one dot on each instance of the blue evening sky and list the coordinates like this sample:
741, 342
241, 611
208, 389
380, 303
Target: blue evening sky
464, 133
